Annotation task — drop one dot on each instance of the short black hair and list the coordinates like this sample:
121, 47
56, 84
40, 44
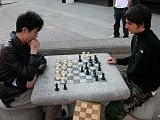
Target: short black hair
30, 20
139, 14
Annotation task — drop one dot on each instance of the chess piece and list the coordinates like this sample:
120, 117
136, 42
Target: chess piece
80, 60
87, 71
94, 73
96, 79
99, 66
103, 76
91, 63
86, 65
95, 59
56, 87
90, 59
65, 87
82, 70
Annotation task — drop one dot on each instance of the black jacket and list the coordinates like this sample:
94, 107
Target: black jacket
16, 62
144, 62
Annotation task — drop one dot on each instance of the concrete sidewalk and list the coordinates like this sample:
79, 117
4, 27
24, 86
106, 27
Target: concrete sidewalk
70, 28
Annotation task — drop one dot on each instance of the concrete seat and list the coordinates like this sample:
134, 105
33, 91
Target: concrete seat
20, 113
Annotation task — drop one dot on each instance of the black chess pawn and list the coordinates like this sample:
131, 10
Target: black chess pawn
63, 1
96, 78
95, 59
80, 60
87, 71
65, 87
90, 59
103, 76
82, 70
56, 87
99, 66
94, 73
86, 66
91, 63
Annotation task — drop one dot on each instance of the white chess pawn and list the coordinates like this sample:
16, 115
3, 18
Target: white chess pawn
62, 80
58, 77
69, 64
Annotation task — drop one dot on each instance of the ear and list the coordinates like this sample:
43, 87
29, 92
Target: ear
24, 30
141, 25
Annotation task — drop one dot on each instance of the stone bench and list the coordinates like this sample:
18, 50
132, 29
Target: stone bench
20, 114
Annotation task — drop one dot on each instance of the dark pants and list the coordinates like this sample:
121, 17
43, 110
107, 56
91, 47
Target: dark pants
117, 110
118, 15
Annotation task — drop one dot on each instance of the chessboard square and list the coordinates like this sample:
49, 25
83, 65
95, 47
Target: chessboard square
83, 109
82, 74
76, 77
78, 103
84, 105
89, 110
76, 81
88, 119
75, 117
89, 77
83, 80
89, 105
95, 107
70, 81
89, 81
95, 111
77, 108
88, 115
82, 114
95, 117
81, 118
76, 113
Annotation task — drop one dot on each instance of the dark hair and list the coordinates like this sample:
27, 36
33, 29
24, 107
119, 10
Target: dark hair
29, 20
139, 14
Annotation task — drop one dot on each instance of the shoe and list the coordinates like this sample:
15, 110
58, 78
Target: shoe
126, 36
113, 36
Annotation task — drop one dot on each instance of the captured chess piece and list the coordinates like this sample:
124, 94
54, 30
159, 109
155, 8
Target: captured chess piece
56, 87
65, 87
80, 60
103, 76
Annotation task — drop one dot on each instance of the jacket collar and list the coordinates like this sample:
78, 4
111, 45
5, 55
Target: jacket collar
17, 42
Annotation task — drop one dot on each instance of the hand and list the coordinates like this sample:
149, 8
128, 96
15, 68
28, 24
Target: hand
111, 60
30, 84
34, 45
153, 93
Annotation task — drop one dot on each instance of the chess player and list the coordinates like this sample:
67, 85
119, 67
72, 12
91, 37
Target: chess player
143, 73
20, 64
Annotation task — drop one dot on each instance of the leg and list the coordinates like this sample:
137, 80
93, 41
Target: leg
52, 112
125, 30
150, 109
117, 17
115, 111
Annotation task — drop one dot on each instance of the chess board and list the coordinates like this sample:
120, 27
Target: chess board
75, 70
86, 111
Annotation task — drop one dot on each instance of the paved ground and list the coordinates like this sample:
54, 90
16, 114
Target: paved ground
69, 28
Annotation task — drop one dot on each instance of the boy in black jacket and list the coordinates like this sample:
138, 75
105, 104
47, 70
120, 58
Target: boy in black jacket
20, 64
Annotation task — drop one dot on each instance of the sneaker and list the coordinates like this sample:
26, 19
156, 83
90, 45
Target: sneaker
112, 36
126, 36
